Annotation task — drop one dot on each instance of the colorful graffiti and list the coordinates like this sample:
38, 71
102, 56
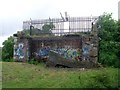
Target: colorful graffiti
19, 51
67, 53
86, 51
43, 52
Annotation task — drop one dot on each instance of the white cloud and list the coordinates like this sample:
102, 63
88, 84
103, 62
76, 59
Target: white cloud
14, 12
2, 39
27, 8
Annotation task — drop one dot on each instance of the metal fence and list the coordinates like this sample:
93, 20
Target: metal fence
71, 46
62, 27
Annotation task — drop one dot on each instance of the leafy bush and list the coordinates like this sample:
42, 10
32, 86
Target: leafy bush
7, 49
109, 44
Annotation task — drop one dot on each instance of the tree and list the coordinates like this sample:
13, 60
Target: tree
34, 31
117, 33
47, 28
0, 53
109, 47
7, 49
107, 27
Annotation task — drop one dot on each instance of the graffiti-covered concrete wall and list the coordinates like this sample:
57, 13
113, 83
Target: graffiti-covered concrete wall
21, 49
68, 47
90, 45
82, 46
79, 47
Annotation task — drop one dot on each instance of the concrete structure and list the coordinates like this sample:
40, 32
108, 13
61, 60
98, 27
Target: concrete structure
75, 46
74, 24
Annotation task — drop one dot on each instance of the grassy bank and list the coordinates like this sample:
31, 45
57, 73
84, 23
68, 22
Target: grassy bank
0, 74
22, 75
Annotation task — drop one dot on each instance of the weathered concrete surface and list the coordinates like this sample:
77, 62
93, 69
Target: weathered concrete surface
57, 60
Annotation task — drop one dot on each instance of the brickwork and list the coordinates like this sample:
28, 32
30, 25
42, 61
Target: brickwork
72, 48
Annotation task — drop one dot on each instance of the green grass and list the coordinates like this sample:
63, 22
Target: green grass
0, 74
23, 75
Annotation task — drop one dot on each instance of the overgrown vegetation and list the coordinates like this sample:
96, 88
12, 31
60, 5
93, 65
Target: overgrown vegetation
0, 53
46, 30
7, 49
37, 75
109, 33
23, 75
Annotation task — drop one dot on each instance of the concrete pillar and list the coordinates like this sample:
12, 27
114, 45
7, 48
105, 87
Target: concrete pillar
21, 49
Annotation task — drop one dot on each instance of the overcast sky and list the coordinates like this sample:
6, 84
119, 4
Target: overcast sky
14, 12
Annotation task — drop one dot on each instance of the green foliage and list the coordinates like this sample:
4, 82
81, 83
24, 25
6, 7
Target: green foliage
34, 31
46, 29
117, 33
107, 26
109, 49
7, 49
0, 53
24, 75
